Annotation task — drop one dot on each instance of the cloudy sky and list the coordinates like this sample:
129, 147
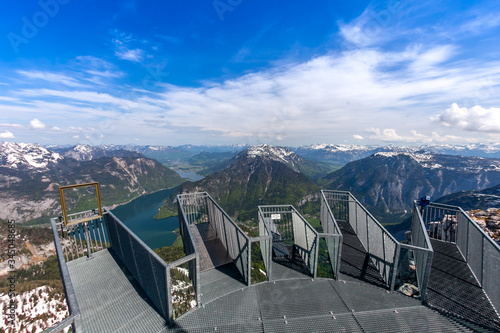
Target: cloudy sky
249, 72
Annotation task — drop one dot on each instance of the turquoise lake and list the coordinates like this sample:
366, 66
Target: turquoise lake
138, 214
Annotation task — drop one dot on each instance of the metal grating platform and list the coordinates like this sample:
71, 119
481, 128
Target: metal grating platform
211, 250
109, 298
113, 302
219, 282
355, 262
321, 305
453, 288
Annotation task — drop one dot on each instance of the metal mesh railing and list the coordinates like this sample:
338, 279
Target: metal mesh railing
376, 240
71, 301
420, 251
481, 252
441, 221
286, 224
147, 267
201, 208
331, 238
82, 239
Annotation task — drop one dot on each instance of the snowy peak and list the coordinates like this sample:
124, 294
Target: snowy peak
84, 152
332, 148
430, 160
27, 155
280, 154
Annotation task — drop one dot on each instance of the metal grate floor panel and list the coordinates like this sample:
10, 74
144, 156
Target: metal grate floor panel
219, 282
356, 265
111, 302
453, 288
410, 320
210, 249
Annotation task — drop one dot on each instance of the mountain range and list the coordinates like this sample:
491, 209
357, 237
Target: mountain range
31, 175
260, 175
341, 154
388, 182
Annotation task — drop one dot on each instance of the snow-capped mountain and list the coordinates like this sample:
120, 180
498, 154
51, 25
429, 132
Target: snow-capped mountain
482, 150
336, 153
87, 153
27, 156
30, 175
259, 175
388, 182
345, 153
274, 153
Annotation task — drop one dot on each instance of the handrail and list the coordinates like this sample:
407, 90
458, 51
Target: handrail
158, 296
330, 213
384, 252
481, 230
373, 218
229, 218
422, 226
72, 303
312, 255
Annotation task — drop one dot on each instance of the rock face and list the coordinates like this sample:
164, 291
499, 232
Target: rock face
257, 176
488, 220
477, 199
388, 182
31, 175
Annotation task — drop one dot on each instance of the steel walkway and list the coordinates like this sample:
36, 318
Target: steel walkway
453, 288
111, 302
356, 265
322, 305
211, 250
115, 303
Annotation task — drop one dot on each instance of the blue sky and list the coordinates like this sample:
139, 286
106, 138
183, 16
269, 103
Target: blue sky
250, 72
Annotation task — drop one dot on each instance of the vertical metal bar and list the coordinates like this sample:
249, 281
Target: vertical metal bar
249, 268
394, 270
87, 235
168, 283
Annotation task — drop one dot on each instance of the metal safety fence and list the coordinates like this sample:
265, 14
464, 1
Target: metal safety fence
71, 301
172, 287
198, 208
149, 270
381, 246
286, 224
331, 238
419, 250
482, 254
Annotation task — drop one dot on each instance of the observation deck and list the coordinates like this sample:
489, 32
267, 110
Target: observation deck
343, 276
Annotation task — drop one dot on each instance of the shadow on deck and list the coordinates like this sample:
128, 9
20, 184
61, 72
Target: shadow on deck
453, 288
356, 265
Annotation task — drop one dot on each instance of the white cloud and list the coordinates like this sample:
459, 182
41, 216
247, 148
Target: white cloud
123, 47
358, 137
52, 77
7, 135
136, 55
37, 124
475, 119
11, 125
